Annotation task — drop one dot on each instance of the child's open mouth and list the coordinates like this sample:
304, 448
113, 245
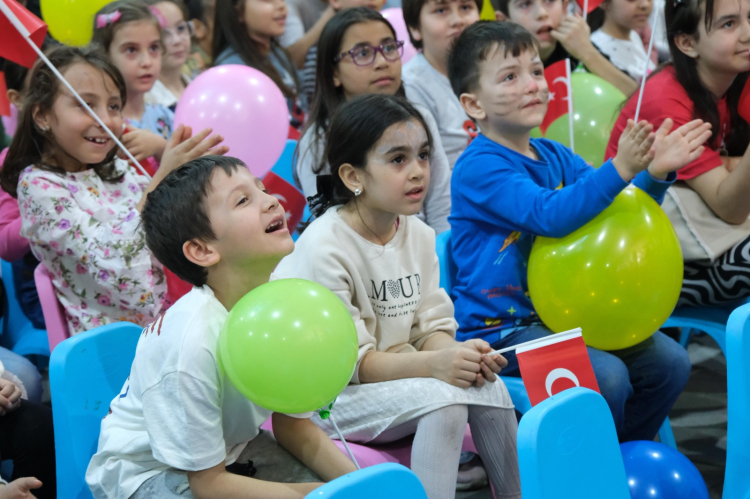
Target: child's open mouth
97, 140
276, 225
415, 193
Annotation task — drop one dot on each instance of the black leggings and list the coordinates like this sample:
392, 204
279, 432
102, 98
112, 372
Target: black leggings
26, 437
718, 283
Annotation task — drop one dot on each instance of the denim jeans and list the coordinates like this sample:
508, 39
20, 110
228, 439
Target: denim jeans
26, 372
640, 383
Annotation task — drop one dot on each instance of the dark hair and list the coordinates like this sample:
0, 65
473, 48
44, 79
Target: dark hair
31, 146
130, 11
328, 98
683, 17
15, 74
175, 212
501, 6
179, 3
472, 46
355, 129
229, 31
197, 9
412, 9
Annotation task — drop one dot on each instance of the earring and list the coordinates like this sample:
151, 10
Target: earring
357, 191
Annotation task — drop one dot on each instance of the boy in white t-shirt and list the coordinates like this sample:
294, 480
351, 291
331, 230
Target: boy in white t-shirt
179, 427
433, 26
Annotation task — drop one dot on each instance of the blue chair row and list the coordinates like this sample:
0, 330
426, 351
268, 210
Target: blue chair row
736, 477
515, 386
18, 334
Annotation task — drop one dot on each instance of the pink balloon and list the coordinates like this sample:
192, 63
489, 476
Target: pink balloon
10, 122
396, 17
245, 107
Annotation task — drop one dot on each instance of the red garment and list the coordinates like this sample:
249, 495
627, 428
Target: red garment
665, 98
12, 244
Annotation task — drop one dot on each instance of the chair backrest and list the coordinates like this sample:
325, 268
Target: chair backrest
14, 321
86, 372
568, 448
54, 315
284, 166
736, 478
390, 480
445, 258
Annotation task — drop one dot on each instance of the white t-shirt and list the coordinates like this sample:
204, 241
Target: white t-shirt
393, 292
628, 56
176, 410
425, 85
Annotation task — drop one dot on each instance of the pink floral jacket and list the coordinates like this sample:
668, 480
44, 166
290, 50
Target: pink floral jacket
85, 231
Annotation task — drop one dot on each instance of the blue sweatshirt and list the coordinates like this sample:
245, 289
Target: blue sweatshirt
501, 200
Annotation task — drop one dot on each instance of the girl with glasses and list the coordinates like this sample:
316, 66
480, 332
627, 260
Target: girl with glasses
359, 54
177, 32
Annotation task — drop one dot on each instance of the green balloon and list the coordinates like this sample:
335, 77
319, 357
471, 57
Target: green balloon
289, 345
596, 106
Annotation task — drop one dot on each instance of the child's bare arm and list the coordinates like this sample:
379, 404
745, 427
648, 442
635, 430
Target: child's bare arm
218, 483
308, 443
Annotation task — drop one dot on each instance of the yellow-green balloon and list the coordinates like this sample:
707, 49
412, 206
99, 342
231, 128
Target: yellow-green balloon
596, 106
618, 277
71, 21
289, 345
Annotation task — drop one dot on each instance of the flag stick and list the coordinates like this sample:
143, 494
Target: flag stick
585, 9
26, 35
654, 29
572, 332
570, 103
343, 440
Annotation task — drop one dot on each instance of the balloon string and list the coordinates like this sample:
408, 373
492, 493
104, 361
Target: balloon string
26, 35
343, 440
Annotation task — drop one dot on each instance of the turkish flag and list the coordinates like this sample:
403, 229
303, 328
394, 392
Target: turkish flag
744, 106
4, 102
290, 198
557, 81
555, 364
592, 4
13, 46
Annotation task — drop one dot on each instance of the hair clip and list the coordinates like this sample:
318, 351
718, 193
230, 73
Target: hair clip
104, 20
159, 16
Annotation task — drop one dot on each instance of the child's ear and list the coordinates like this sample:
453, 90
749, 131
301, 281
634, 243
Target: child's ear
351, 177
200, 253
16, 98
499, 16
200, 30
473, 108
336, 79
40, 119
415, 33
686, 44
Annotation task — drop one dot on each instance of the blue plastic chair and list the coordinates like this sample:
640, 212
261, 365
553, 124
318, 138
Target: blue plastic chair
737, 478
86, 372
515, 386
18, 334
284, 166
712, 321
390, 480
568, 449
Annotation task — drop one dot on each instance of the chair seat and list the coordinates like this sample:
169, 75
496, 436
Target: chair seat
712, 321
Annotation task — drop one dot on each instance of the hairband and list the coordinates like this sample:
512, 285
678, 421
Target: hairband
159, 16
104, 20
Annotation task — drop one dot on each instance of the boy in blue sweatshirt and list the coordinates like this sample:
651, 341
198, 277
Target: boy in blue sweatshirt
507, 188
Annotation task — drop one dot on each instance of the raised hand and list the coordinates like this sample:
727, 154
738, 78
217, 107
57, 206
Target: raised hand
633, 149
672, 151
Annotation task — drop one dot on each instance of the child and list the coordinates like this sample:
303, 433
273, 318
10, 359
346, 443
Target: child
560, 36
508, 188
130, 34
14, 248
246, 32
358, 54
180, 426
709, 207
201, 15
433, 26
618, 37
78, 204
172, 82
364, 245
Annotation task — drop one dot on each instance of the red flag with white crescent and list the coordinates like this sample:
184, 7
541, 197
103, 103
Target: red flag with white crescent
557, 81
551, 366
13, 46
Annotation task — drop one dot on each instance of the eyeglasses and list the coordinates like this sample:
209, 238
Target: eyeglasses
182, 30
364, 55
